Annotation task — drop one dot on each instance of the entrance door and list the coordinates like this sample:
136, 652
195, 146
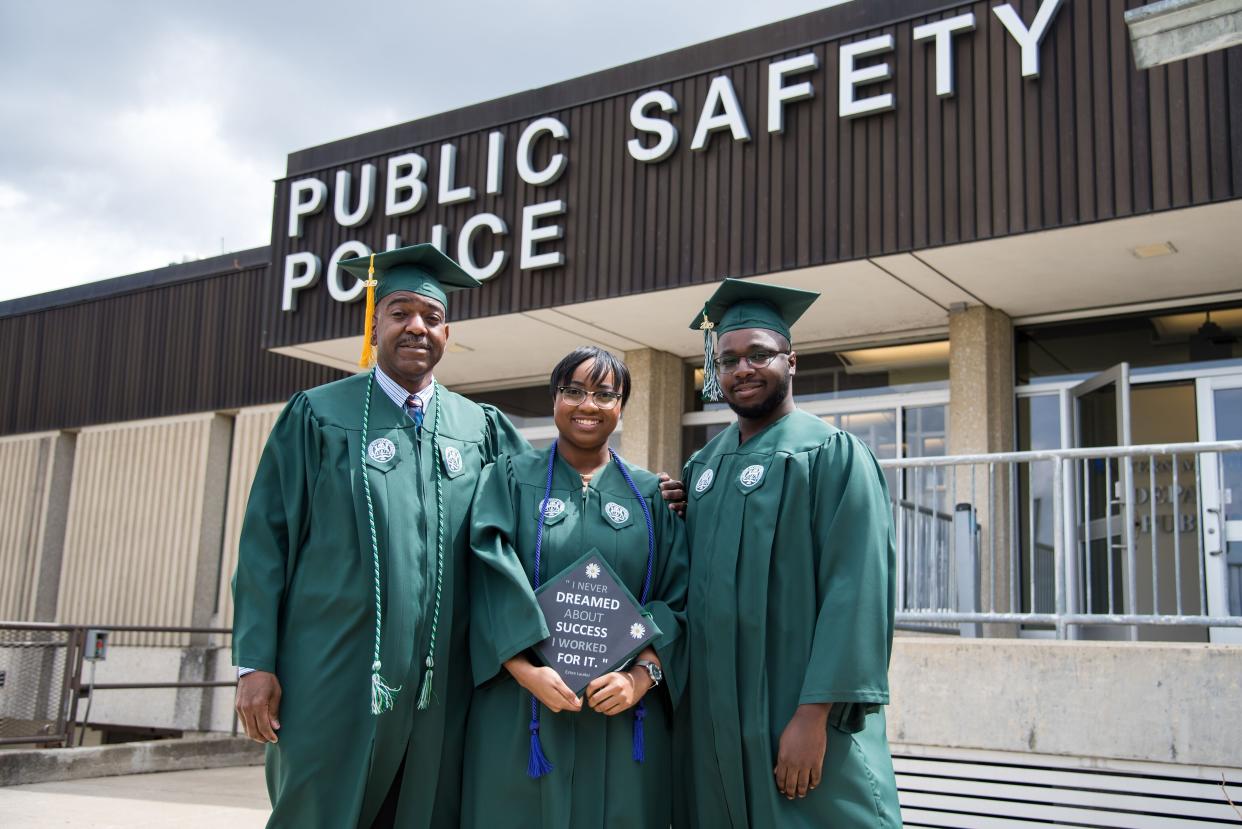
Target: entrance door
1220, 418
1102, 580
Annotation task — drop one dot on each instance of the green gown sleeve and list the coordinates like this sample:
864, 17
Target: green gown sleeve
273, 529
852, 529
504, 616
502, 436
668, 591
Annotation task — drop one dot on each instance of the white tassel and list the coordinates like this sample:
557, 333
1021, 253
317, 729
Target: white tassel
382, 693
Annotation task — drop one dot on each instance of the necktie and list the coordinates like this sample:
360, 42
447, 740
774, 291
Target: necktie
414, 405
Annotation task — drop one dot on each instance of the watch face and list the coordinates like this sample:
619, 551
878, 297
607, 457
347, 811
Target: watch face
657, 675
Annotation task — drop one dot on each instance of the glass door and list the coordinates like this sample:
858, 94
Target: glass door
1103, 581
1220, 418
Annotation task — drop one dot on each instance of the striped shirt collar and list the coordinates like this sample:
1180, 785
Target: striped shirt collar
398, 395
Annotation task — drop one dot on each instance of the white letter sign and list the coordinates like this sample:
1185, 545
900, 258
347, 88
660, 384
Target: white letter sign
346, 250
366, 197
942, 31
405, 172
301, 271
526, 144
306, 198
720, 95
532, 235
465, 246
851, 77
779, 94
643, 122
449, 194
1028, 39
495, 162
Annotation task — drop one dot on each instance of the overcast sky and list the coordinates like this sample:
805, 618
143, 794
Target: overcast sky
135, 134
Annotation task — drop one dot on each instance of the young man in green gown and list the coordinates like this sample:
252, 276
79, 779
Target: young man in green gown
350, 591
791, 594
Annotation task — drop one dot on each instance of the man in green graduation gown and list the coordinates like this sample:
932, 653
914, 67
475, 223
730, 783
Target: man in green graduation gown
350, 593
790, 605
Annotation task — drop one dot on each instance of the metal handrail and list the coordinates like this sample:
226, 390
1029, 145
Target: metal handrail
113, 628
1066, 454
73, 686
1073, 538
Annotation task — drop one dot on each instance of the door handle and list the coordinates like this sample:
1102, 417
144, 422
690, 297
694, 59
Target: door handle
1212, 530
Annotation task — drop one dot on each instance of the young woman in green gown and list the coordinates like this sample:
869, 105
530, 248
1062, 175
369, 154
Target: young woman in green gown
537, 755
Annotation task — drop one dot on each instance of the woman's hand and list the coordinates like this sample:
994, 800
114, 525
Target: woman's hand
618, 691
545, 683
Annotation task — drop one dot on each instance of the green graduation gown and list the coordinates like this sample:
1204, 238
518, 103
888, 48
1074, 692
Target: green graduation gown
305, 608
792, 589
595, 782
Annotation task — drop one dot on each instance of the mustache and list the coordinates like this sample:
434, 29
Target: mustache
421, 342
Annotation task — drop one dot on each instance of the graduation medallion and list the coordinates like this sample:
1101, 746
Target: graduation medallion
616, 512
381, 450
705, 480
452, 460
553, 507
751, 475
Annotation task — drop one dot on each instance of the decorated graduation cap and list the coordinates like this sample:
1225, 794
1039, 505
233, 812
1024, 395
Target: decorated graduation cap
739, 304
421, 269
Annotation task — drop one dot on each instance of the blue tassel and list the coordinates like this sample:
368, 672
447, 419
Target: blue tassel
640, 752
537, 765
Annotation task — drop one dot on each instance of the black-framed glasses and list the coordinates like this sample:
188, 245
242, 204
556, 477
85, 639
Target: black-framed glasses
575, 396
755, 359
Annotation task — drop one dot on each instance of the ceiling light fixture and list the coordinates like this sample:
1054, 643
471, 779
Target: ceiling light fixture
1152, 251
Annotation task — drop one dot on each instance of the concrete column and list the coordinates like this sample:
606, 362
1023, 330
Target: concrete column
55, 519
211, 529
49, 557
198, 661
651, 436
981, 421
981, 407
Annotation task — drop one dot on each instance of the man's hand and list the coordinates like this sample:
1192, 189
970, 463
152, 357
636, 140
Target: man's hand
545, 683
674, 493
617, 691
258, 705
800, 760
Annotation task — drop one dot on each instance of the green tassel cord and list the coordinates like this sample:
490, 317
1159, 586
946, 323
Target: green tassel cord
424, 693
382, 693
711, 383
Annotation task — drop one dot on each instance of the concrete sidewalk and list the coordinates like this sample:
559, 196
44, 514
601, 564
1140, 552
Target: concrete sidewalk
235, 798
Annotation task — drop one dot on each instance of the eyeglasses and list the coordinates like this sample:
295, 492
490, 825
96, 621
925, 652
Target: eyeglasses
575, 396
755, 359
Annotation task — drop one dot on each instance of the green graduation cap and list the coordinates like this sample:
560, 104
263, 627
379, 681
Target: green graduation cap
739, 304
421, 269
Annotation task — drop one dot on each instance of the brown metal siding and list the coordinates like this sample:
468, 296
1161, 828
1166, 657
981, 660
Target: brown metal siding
1091, 139
177, 349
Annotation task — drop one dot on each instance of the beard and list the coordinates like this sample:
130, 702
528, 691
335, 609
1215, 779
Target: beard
765, 406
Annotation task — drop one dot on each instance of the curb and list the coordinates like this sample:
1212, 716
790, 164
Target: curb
46, 765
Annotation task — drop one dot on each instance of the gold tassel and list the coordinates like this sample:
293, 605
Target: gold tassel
367, 352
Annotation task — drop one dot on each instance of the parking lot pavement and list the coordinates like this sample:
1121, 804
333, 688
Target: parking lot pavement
232, 797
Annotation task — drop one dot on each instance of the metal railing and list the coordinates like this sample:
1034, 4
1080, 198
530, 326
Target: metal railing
41, 678
1115, 537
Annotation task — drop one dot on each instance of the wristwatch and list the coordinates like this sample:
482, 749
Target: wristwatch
653, 671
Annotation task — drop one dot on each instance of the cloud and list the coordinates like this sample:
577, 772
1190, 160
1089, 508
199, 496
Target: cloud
132, 135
